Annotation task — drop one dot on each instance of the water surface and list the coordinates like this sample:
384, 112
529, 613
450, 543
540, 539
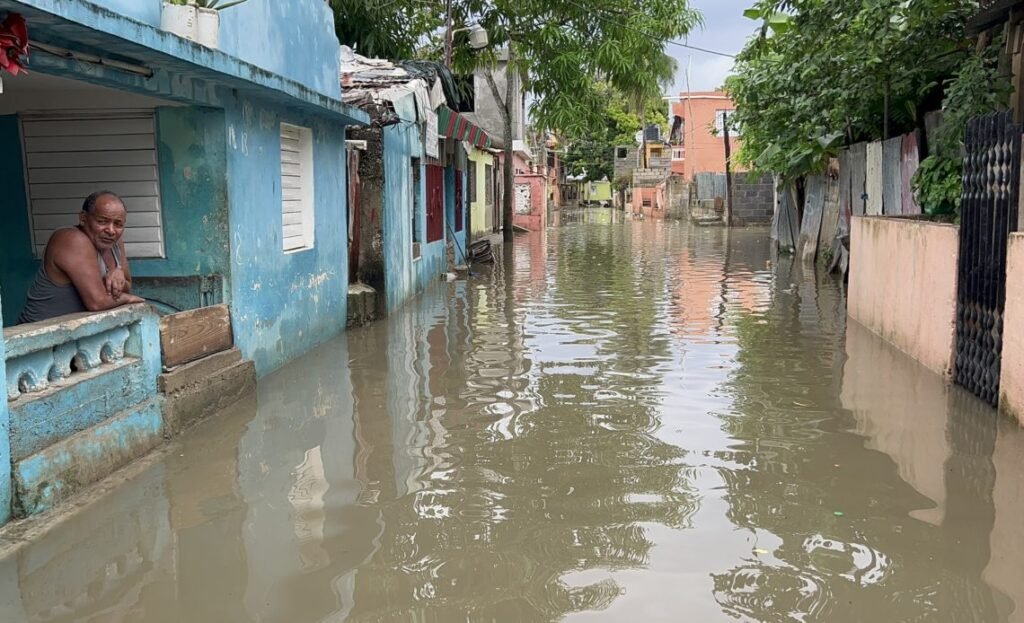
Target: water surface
618, 422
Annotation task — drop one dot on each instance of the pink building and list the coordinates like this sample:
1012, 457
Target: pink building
699, 146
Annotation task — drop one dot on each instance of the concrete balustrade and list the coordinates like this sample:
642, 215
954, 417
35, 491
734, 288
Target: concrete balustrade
52, 362
82, 400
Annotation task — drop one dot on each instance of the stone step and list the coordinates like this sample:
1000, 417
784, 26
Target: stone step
201, 388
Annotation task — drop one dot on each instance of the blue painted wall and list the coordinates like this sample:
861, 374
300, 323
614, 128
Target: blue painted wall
449, 212
193, 189
147, 11
404, 277
17, 262
5, 445
283, 304
302, 31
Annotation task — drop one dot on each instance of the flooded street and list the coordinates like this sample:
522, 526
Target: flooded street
617, 422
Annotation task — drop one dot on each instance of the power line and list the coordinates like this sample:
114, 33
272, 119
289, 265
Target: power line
647, 34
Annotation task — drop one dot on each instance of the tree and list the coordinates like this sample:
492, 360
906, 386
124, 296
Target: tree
876, 67
560, 47
392, 29
592, 153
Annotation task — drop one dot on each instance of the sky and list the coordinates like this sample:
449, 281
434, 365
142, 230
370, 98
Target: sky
725, 30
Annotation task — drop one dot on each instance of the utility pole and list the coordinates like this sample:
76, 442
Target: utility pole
728, 170
448, 35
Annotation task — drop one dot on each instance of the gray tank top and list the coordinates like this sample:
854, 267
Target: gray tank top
47, 299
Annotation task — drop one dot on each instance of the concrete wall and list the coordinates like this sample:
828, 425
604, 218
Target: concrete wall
283, 304
487, 115
753, 199
531, 215
903, 285
371, 207
5, 444
458, 237
305, 28
1011, 380
404, 276
478, 204
596, 191
705, 152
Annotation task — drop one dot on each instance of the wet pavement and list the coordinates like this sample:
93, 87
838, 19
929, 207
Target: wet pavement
633, 421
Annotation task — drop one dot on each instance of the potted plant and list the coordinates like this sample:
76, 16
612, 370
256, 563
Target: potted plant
179, 17
208, 26
195, 20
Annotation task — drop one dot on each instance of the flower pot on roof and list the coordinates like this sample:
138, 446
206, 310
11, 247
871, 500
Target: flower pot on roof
204, 16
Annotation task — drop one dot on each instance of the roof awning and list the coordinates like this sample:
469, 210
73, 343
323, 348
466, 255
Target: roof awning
453, 125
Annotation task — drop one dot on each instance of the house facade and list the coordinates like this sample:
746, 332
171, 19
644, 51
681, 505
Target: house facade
232, 164
697, 142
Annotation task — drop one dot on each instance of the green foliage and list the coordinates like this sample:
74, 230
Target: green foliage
593, 152
875, 67
392, 29
978, 88
937, 185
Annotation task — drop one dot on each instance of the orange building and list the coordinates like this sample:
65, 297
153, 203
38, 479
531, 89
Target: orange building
698, 145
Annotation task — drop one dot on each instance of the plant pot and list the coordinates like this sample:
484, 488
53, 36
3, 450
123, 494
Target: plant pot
208, 27
179, 19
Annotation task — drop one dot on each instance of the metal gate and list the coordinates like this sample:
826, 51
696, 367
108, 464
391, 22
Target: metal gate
988, 213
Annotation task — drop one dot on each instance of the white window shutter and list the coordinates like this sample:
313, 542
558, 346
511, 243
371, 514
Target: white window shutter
297, 216
69, 155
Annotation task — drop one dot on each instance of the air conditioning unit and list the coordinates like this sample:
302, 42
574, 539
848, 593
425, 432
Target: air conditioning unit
652, 133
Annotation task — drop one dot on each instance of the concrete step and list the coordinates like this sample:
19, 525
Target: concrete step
201, 388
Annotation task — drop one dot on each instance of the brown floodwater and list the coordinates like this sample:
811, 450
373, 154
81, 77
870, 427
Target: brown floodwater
617, 422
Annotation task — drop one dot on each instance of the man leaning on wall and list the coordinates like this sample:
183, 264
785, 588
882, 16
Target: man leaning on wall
84, 268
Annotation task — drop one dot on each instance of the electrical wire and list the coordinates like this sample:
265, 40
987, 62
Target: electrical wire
646, 34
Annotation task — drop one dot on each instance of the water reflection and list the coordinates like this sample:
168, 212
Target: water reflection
615, 422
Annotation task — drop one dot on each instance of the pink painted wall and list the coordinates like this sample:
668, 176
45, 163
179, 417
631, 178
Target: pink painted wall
705, 152
1011, 381
903, 285
656, 197
536, 220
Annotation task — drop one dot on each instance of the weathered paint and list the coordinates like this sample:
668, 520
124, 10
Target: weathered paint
74, 431
18, 264
404, 276
595, 192
305, 76
478, 202
283, 304
192, 144
5, 444
1011, 375
458, 237
531, 201
903, 275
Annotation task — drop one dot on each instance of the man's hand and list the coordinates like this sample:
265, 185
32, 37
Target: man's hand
115, 283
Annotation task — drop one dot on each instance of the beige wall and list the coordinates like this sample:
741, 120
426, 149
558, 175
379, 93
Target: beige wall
1011, 377
903, 285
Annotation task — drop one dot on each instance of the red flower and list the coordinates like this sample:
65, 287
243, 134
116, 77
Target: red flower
13, 43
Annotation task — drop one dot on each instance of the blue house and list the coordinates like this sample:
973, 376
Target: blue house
410, 223
231, 159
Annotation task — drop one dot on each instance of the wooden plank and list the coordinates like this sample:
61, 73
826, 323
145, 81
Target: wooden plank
73, 205
113, 158
788, 228
81, 127
814, 205
873, 179
89, 143
93, 174
193, 334
909, 161
81, 191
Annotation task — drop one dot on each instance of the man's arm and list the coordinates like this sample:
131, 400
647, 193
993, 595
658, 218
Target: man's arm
75, 256
119, 280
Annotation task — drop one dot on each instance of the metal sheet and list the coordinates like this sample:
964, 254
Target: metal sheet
873, 179
787, 227
831, 212
909, 161
814, 205
858, 178
845, 200
892, 183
